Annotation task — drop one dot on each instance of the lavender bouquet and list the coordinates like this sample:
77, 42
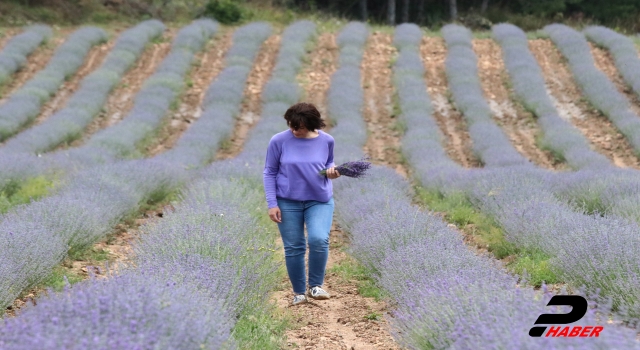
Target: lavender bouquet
354, 169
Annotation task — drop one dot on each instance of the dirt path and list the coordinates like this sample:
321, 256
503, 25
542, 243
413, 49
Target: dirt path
457, 141
605, 63
572, 106
35, 62
519, 125
383, 143
209, 64
94, 59
316, 76
251, 104
121, 98
347, 320
6, 35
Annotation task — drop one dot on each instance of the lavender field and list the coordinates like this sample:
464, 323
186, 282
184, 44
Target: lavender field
506, 170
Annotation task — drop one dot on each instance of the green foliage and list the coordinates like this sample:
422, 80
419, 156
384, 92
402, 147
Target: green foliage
16, 193
350, 270
486, 233
224, 11
261, 328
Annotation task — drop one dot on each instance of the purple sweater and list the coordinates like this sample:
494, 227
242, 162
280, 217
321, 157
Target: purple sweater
292, 166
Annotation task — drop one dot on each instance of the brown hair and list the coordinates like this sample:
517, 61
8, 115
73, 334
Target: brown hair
304, 115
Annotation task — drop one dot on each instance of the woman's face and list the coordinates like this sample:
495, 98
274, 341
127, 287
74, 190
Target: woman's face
301, 132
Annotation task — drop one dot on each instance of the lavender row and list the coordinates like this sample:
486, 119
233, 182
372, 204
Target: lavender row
444, 292
598, 89
153, 101
141, 310
15, 52
623, 50
528, 83
25, 104
202, 246
84, 210
280, 92
222, 101
69, 122
422, 141
490, 143
345, 96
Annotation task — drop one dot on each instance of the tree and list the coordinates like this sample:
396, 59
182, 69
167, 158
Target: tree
391, 13
405, 11
483, 7
453, 8
363, 10
420, 19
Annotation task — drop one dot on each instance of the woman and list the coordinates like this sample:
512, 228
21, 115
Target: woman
298, 195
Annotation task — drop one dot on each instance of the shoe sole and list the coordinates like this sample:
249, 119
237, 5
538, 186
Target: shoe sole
320, 297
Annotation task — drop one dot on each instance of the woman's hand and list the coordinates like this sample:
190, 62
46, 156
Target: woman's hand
275, 215
332, 173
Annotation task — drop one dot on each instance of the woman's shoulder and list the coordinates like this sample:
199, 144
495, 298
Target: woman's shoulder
281, 136
325, 135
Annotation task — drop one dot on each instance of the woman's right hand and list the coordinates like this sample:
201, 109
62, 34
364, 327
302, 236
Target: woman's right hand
275, 215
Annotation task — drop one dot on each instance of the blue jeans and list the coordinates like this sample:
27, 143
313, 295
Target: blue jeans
318, 217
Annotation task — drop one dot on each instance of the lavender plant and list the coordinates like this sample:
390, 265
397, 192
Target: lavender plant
489, 142
88, 100
422, 142
443, 291
129, 311
623, 51
598, 89
15, 52
559, 135
25, 104
355, 169
222, 101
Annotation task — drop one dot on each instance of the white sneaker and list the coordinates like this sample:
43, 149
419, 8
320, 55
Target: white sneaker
318, 293
299, 299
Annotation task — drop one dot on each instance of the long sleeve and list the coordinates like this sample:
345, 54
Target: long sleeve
271, 168
330, 162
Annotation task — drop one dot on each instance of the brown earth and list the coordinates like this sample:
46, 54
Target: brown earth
209, 64
121, 98
316, 75
347, 320
519, 124
457, 141
383, 143
605, 63
6, 35
251, 104
572, 106
35, 62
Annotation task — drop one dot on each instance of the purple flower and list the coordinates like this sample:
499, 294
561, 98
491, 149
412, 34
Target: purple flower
354, 169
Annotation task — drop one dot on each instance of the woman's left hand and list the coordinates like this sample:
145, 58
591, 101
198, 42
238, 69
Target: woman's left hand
332, 173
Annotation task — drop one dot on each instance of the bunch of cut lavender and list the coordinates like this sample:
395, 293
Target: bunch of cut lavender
355, 169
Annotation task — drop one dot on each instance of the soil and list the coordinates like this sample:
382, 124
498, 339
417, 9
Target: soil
457, 141
605, 63
121, 99
93, 60
316, 76
519, 124
209, 64
35, 62
571, 105
341, 322
345, 320
251, 104
383, 143
6, 35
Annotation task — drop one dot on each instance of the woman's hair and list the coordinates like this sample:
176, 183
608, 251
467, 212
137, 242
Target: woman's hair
304, 115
